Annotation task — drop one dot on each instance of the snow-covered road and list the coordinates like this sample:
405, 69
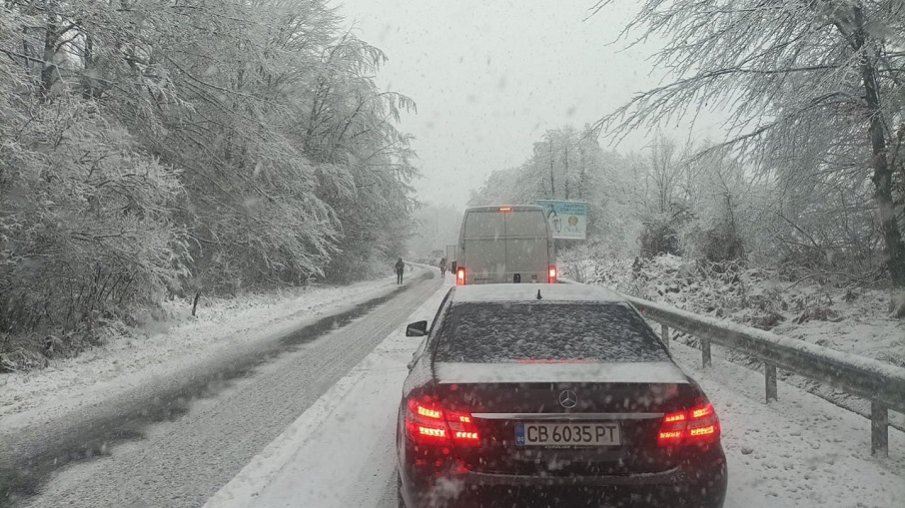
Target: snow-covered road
206, 441
340, 451
314, 427
798, 451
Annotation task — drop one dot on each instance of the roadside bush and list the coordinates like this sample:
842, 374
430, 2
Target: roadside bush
659, 238
86, 229
715, 244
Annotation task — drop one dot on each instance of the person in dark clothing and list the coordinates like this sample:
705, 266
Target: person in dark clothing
400, 270
442, 267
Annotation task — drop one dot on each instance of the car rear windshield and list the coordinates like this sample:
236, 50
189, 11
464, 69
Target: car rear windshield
546, 331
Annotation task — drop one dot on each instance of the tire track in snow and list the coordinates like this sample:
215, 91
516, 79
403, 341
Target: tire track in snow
341, 451
212, 422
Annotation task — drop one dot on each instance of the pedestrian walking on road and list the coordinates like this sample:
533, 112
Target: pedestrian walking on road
400, 270
443, 267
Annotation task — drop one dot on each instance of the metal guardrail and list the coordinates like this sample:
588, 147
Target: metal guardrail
881, 383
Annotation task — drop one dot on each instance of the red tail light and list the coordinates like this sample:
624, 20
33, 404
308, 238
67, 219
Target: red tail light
463, 429
425, 424
551, 274
696, 426
428, 423
460, 276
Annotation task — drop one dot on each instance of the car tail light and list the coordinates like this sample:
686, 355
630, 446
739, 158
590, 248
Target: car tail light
462, 428
460, 276
699, 425
551, 274
427, 423
505, 209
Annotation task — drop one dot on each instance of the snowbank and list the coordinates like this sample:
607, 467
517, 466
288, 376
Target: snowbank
847, 318
166, 347
799, 450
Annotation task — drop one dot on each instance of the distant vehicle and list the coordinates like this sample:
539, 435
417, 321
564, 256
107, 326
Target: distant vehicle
551, 395
505, 244
451, 256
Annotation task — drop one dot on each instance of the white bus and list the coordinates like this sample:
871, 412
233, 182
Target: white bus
505, 244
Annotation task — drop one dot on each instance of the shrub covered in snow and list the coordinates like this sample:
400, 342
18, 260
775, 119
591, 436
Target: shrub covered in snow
837, 314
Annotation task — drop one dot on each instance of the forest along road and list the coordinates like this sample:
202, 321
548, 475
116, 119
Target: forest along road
184, 461
799, 451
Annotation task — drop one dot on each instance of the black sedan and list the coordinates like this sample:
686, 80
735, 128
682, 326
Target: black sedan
551, 395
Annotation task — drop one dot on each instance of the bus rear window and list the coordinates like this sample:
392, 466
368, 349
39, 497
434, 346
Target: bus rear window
484, 225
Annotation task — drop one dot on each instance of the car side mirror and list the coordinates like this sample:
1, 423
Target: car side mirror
416, 329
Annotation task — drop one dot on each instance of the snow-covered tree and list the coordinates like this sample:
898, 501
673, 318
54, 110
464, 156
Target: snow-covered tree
152, 147
793, 75
568, 163
86, 230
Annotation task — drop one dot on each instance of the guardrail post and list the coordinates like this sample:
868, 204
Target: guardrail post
770, 381
664, 334
879, 429
705, 352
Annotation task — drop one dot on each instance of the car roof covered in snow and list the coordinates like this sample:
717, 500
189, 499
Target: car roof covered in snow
528, 293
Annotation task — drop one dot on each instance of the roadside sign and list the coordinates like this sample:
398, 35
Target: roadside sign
568, 219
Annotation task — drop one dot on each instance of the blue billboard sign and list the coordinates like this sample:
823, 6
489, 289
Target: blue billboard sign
568, 219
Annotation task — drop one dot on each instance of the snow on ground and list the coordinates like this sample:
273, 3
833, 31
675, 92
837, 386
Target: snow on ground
167, 347
841, 316
798, 451
844, 317
340, 452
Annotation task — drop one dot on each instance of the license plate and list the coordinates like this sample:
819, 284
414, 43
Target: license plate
567, 434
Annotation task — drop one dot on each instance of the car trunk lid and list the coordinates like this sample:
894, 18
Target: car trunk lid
508, 402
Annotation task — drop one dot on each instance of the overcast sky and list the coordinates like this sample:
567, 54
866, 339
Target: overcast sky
490, 76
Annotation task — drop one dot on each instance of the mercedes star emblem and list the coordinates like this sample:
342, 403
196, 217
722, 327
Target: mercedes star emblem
568, 399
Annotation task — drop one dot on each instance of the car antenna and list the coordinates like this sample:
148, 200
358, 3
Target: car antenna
539, 297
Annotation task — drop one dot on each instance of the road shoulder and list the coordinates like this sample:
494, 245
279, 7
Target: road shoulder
353, 424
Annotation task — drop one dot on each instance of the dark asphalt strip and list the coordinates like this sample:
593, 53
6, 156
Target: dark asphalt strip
27, 462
